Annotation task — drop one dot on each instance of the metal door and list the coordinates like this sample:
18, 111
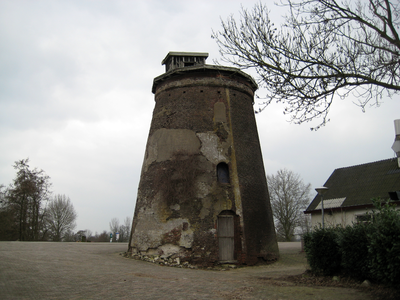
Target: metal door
226, 238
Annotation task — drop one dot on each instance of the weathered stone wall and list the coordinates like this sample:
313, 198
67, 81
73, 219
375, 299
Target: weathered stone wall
179, 196
259, 229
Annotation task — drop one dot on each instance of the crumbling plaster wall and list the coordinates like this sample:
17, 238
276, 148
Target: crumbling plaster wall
183, 166
179, 197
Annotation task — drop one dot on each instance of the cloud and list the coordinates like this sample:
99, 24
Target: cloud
75, 97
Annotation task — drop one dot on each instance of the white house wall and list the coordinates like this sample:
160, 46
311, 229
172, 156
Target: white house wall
335, 218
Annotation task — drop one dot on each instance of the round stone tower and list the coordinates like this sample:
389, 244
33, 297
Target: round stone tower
203, 195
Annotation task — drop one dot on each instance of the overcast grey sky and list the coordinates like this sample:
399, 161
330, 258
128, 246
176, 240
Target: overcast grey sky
75, 97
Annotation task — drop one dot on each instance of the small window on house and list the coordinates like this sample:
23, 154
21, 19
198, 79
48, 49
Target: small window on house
363, 218
223, 173
394, 195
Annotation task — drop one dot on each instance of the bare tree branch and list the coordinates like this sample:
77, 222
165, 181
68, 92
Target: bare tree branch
324, 48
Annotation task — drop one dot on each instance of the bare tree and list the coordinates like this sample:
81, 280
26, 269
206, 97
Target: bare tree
8, 218
289, 196
61, 217
124, 230
324, 47
24, 199
305, 225
89, 234
114, 227
70, 236
102, 237
128, 225
2, 194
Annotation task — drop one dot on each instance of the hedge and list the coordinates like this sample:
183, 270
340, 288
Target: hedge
322, 251
368, 250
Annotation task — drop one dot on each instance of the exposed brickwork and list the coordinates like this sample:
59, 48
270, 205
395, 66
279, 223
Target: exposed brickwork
179, 196
259, 227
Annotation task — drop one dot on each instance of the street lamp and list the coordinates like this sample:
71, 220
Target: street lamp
321, 191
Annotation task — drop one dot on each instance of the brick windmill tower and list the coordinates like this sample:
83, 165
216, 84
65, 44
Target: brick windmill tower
203, 195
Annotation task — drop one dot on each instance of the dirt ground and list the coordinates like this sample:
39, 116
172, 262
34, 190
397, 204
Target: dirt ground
44, 270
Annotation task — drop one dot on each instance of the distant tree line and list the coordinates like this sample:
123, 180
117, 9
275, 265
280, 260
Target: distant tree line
28, 212
123, 231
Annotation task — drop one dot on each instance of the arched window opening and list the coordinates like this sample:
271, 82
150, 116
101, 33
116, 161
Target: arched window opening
223, 173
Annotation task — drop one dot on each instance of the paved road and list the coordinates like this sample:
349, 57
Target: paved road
34, 270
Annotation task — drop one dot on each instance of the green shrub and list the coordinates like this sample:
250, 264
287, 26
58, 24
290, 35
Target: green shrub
353, 247
322, 251
384, 244
370, 250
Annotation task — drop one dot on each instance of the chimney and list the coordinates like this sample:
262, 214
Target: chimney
396, 144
